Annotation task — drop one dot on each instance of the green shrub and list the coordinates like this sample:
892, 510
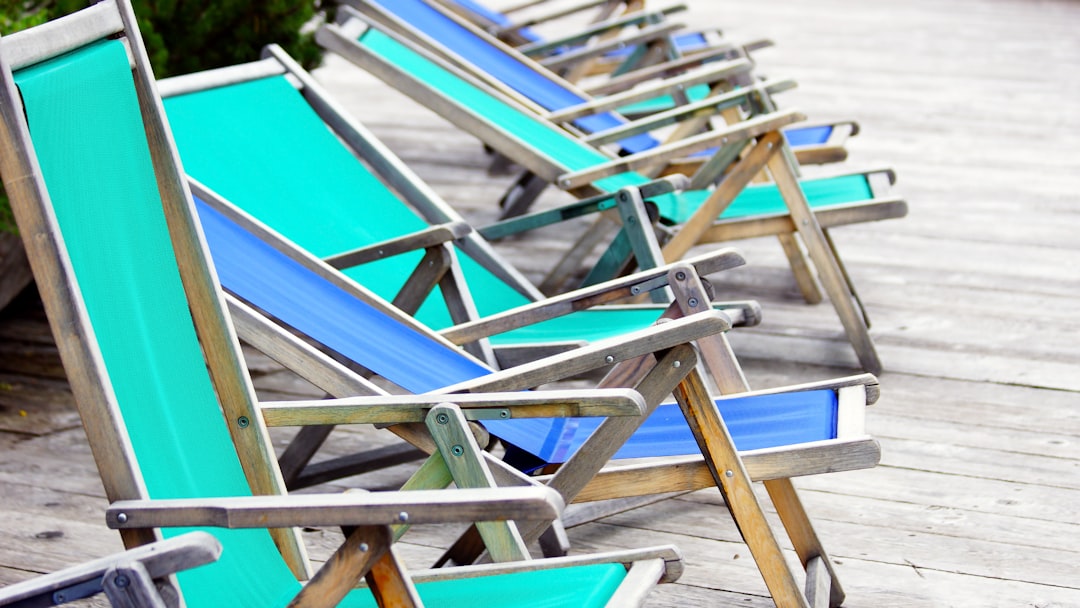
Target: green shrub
183, 36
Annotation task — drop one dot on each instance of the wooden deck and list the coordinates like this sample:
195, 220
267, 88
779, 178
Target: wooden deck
974, 301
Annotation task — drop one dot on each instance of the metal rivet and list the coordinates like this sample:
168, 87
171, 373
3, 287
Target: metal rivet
693, 302
504, 413
680, 276
59, 598
381, 252
769, 145
403, 517
121, 581
723, 140
609, 359
729, 473
363, 547
457, 450
635, 290
631, 220
122, 518
243, 422
677, 364
806, 222
442, 418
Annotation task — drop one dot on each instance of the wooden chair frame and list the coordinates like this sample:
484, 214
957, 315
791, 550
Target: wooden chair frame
367, 551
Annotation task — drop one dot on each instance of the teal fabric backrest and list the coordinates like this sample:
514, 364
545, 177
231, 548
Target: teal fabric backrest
262, 147
86, 128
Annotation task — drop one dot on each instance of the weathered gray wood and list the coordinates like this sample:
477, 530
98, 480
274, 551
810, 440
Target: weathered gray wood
477, 406
354, 509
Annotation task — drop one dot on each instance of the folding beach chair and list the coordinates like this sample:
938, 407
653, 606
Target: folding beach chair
120, 262
269, 139
821, 430
461, 43
137, 577
733, 209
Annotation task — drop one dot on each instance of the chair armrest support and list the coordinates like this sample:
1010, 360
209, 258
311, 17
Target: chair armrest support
349, 509
660, 70
392, 409
641, 36
160, 559
699, 109
709, 74
423, 239
599, 354
753, 127
602, 293
595, 204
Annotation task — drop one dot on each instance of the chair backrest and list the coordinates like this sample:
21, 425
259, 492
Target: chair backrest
504, 64
259, 144
91, 187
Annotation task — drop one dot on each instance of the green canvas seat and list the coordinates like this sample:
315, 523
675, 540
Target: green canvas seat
109, 229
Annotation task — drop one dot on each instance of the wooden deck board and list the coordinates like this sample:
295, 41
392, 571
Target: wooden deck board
974, 296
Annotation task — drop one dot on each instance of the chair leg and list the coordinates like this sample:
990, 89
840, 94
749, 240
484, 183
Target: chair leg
804, 278
735, 485
828, 270
456, 443
820, 573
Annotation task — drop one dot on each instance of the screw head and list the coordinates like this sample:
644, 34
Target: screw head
121, 581
729, 473
403, 517
504, 413
122, 518
363, 547
457, 450
693, 302
680, 276
243, 422
677, 364
442, 418
609, 359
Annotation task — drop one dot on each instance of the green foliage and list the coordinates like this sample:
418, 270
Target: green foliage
183, 36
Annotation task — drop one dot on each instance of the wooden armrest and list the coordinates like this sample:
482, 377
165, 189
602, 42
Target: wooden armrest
582, 36
599, 354
698, 109
868, 381
588, 206
350, 509
660, 70
392, 409
752, 127
672, 557
640, 36
708, 74
429, 237
631, 286
160, 559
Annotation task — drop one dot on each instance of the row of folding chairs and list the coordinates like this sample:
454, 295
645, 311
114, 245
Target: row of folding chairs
166, 221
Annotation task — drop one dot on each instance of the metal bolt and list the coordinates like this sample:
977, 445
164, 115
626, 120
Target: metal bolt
403, 517
59, 598
677, 364
504, 413
243, 422
729, 473
609, 359
631, 220
723, 140
693, 302
122, 581
381, 252
769, 145
806, 222
363, 547
442, 418
457, 450
122, 518
680, 276
635, 290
